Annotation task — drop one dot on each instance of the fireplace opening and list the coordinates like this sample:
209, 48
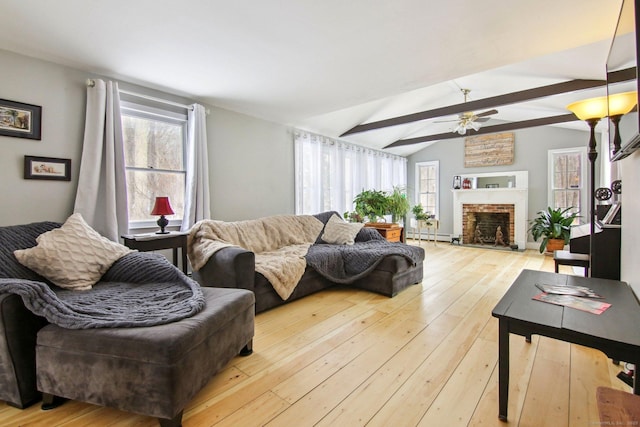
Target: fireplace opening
490, 225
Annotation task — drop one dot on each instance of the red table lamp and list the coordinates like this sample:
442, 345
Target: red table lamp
162, 208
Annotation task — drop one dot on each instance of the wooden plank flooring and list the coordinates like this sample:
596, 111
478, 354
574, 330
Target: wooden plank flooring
427, 357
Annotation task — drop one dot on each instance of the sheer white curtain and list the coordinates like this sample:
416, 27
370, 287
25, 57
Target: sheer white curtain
197, 199
101, 197
329, 173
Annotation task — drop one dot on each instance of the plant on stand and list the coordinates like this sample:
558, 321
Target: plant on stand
554, 226
420, 214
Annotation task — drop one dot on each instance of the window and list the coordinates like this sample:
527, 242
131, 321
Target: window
330, 173
567, 179
427, 186
154, 151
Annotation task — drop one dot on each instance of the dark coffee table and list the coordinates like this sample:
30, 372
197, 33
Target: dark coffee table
616, 332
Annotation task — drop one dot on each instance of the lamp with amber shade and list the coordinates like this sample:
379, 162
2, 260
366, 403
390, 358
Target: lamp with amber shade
592, 110
162, 207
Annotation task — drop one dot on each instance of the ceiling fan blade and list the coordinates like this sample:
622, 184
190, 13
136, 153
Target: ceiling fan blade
482, 119
487, 113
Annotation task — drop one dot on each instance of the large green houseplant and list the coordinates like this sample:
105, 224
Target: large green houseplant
371, 204
553, 224
397, 204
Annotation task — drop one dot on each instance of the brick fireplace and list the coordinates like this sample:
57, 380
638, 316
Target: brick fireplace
485, 202
480, 224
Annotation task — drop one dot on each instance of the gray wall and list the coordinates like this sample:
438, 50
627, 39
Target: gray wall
60, 91
531, 146
251, 167
251, 159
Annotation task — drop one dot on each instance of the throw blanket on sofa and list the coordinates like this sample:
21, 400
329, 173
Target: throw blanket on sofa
140, 289
279, 242
348, 263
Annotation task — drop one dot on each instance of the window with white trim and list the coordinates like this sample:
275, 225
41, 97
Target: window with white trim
427, 176
567, 179
154, 148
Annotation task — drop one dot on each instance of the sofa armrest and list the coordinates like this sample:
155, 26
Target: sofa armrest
18, 330
230, 267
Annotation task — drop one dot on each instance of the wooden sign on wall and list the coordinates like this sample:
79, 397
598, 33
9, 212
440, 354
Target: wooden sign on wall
489, 150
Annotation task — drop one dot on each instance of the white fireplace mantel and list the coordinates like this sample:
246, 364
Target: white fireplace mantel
519, 197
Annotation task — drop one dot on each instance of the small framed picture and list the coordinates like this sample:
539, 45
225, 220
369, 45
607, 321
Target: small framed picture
47, 168
492, 186
20, 120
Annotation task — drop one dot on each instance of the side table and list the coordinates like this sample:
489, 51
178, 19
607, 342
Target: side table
391, 232
153, 242
431, 224
518, 313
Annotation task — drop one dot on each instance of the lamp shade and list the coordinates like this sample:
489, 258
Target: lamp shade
597, 108
622, 103
592, 108
162, 207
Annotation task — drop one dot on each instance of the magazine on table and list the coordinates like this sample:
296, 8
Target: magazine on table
581, 303
579, 291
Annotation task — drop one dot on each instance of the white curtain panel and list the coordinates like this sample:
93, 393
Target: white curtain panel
101, 197
197, 204
329, 173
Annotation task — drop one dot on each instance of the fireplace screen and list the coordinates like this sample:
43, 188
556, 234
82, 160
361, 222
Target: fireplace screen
488, 225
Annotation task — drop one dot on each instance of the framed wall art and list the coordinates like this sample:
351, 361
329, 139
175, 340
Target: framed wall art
20, 120
47, 168
489, 150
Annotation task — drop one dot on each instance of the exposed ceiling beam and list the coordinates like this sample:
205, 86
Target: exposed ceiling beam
489, 129
496, 101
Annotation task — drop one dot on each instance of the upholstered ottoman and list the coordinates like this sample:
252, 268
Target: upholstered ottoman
152, 371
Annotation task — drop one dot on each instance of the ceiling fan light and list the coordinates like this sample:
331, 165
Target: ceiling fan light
475, 125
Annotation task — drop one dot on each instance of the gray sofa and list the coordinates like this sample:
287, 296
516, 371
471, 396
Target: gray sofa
233, 267
150, 370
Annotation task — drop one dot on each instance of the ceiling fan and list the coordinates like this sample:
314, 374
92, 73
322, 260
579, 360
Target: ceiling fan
469, 120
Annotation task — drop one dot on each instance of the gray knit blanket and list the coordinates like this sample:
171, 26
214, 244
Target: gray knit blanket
140, 289
348, 263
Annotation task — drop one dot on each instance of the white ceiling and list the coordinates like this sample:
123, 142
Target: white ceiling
328, 65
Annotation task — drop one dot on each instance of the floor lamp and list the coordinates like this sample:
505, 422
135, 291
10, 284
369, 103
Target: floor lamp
591, 111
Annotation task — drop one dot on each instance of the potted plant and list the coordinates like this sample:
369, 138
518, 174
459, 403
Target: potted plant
397, 204
372, 204
420, 214
554, 226
353, 216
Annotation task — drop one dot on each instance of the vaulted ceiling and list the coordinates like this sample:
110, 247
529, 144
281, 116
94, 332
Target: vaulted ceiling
328, 66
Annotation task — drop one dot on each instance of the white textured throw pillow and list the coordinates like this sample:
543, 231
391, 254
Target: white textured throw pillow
340, 232
74, 256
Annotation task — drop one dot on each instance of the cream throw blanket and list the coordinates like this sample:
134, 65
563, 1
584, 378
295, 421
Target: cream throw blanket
279, 242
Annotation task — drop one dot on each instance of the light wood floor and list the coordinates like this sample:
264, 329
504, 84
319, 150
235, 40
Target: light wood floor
427, 357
